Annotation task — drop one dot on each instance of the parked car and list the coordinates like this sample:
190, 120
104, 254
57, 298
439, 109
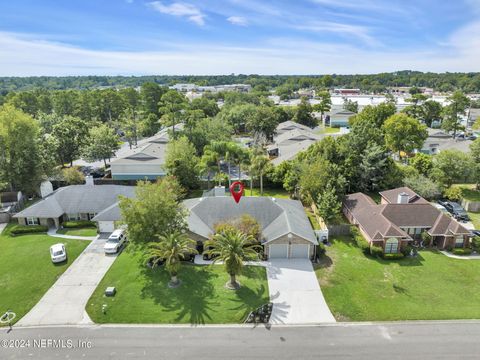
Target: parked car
58, 253
115, 242
440, 207
472, 137
476, 232
457, 211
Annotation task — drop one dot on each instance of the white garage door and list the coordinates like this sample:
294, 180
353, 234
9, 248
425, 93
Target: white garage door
299, 251
278, 251
106, 226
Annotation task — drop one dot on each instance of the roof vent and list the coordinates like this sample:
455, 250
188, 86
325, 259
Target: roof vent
403, 198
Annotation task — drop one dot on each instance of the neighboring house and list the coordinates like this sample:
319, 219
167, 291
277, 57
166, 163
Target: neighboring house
401, 218
472, 116
75, 202
291, 139
9, 202
147, 162
438, 141
286, 230
339, 118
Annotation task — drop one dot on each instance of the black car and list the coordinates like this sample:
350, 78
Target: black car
456, 210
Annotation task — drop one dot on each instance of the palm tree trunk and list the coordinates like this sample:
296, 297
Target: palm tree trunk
261, 184
229, 176
174, 279
251, 185
233, 281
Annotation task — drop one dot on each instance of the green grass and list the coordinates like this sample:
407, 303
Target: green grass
277, 193
144, 297
313, 219
78, 232
475, 217
431, 286
469, 192
26, 271
328, 130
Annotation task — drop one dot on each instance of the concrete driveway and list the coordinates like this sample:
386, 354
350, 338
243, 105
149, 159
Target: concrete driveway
295, 293
64, 303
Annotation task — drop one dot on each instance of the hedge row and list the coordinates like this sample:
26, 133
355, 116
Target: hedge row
28, 229
78, 224
465, 251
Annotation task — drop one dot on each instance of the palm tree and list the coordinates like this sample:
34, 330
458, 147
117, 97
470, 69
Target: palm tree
258, 167
232, 247
172, 248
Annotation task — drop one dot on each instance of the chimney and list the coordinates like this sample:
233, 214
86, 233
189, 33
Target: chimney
46, 188
403, 198
89, 180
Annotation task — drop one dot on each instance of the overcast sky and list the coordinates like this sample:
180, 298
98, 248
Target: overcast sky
140, 37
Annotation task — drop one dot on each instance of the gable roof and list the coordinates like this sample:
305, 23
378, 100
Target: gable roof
276, 217
386, 220
290, 125
391, 196
75, 199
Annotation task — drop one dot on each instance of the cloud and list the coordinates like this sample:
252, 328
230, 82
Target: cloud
237, 20
191, 12
27, 55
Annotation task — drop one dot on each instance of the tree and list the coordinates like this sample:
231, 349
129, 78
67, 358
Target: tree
403, 133
451, 166
73, 176
238, 116
264, 121
19, 151
150, 94
71, 135
431, 111
207, 164
303, 114
172, 105
423, 163
415, 110
325, 103
155, 210
475, 153
101, 144
458, 103
372, 168
328, 204
171, 248
207, 106
258, 168
181, 162
423, 186
232, 247
350, 105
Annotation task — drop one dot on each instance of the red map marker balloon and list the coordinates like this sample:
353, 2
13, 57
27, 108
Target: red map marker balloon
237, 194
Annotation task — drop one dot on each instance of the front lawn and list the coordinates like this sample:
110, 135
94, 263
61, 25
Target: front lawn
327, 130
475, 217
26, 271
78, 232
431, 286
144, 297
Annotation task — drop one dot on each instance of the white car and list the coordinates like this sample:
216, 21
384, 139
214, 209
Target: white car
115, 241
58, 253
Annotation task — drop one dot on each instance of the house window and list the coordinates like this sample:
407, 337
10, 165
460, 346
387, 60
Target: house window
73, 217
91, 216
459, 241
32, 221
391, 246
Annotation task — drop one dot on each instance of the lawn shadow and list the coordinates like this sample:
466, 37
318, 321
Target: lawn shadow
192, 300
249, 300
324, 262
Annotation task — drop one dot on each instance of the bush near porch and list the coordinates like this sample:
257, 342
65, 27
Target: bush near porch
144, 297
430, 286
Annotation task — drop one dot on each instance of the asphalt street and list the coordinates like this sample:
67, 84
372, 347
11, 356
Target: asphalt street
413, 340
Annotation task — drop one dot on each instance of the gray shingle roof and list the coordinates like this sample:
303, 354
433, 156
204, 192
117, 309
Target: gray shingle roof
277, 217
77, 199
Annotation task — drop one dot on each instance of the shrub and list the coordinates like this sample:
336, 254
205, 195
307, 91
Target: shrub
427, 238
73, 176
28, 229
465, 251
360, 240
406, 250
449, 247
393, 256
376, 251
476, 242
78, 224
453, 193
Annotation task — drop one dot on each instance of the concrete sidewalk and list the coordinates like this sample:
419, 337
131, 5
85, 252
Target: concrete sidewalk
64, 303
295, 293
461, 257
2, 227
53, 233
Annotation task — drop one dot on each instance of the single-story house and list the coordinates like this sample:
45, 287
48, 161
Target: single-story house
76, 202
401, 218
438, 141
290, 125
146, 162
286, 230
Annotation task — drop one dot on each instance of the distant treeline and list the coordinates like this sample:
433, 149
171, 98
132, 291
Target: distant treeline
375, 83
